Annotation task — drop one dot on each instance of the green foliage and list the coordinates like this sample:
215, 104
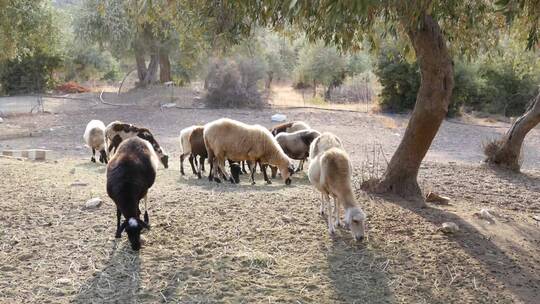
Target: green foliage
400, 81
233, 83
28, 73
320, 64
500, 84
88, 62
25, 27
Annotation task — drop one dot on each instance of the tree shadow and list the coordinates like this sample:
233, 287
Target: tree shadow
357, 272
521, 179
520, 281
117, 282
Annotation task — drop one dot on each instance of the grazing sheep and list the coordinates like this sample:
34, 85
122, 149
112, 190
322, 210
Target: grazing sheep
296, 144
198, 148
130, 173
186, 148
289, 127
94, 137
330, 171
118, 131
229, 139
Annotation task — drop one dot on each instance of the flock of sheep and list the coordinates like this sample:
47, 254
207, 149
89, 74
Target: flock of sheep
132, 156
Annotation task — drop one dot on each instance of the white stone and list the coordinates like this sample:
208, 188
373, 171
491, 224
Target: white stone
279, 117
93, 203
1, 120
449, 227
63, 281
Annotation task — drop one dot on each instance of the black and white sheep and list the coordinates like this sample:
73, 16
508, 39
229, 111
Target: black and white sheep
130, 173
94, 137
118, 131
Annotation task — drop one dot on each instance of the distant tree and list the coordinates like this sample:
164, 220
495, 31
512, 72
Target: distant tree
506, 152
26, 26
128, 26
320, 64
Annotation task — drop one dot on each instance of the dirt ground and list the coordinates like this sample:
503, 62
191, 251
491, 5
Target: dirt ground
265, 243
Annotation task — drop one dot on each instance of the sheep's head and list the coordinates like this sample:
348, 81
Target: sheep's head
355, 218
165, 160
286, 172
134, 227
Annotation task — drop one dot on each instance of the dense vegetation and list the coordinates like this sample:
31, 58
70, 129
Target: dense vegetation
502, 83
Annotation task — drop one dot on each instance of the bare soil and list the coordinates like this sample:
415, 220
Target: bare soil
265, 243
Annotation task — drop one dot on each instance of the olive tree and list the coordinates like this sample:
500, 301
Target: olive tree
433, 29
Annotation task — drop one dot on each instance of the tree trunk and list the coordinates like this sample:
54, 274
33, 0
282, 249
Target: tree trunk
151, 76
141, 64
506, 152
314, 89
164, 66
437, 82
269, 80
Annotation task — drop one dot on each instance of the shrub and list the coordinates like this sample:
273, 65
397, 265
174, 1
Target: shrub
234, 83
399, 79
496, 87
28, 74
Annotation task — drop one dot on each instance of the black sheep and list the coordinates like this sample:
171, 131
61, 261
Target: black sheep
130, 173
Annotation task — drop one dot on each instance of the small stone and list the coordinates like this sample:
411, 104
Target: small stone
63, 281
485, 214
93, 203
449, 227
25, 256
1, 120
433, 197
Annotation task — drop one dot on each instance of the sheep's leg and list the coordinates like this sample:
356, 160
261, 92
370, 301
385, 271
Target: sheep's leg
244, 167
202, 163
252, 167
322, 211
211, 171
274, 171
221, 166
337, 213
263, 169
191, 163
118, 228
199, 167
300, 166
331, 210
182, 156
93, 158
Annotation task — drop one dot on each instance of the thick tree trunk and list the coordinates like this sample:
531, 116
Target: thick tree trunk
164, 66
151, 76
506, 152
141, 64
437, 82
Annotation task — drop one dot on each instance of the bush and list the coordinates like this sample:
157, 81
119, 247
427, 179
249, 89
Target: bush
28, 74
88, 62
234, 83
399, 79
496, 87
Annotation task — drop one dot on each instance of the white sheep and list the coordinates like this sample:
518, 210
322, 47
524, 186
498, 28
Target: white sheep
94, 137
330, 171
229, 139
185, 146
